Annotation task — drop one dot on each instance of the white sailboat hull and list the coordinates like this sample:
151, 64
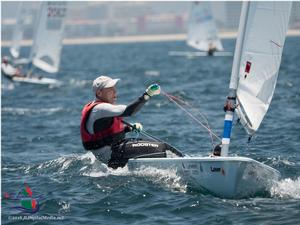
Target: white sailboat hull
10, 72
229, 177
36, 80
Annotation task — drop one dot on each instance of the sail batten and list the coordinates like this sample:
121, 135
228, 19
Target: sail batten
45, 52
265, 33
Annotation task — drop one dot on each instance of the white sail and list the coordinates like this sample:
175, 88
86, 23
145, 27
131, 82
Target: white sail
47, 44
202, 31
265, 31
18, 32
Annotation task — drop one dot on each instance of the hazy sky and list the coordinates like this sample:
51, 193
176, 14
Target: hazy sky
9, 8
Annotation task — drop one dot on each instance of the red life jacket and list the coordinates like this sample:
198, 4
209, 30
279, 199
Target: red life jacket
104, 137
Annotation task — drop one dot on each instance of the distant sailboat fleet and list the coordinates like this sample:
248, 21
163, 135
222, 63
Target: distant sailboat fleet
46, 48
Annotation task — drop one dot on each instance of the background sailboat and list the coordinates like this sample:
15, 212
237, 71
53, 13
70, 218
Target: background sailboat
24, 16
257, 58
202, 33
202, 29
47, 42
18, 33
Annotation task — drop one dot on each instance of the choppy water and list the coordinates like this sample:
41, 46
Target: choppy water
41, 144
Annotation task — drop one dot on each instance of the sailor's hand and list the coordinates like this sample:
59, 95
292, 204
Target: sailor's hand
137, 127
153, 89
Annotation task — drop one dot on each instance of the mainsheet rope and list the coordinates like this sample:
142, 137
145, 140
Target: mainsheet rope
175, 100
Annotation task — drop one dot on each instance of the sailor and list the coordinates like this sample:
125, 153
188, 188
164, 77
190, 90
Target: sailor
103, 130
8, 69
211, 49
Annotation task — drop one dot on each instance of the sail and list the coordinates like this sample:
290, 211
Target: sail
202, 31
18, 31
264, 37
47, 44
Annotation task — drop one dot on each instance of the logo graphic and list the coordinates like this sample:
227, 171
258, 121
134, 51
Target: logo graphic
27, 202
247, 69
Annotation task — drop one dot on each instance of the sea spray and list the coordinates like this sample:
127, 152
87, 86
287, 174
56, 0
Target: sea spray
166, 177
286, 188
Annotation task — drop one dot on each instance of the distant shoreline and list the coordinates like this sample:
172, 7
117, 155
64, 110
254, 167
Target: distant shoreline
137, 38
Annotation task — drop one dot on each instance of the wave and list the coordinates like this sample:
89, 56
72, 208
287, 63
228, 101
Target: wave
87, 165
286, 188
30, 111
162, 177
152, 73
7, 86
166, 177
61, 165
80, 83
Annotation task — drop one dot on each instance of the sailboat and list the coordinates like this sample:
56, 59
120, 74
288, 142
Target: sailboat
18, 34
257, 58
46, 48
202, 33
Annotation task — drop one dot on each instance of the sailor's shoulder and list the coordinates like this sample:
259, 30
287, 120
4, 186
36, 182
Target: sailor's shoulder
101, 106
107, 106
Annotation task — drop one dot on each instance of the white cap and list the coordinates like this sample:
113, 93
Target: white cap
103, 82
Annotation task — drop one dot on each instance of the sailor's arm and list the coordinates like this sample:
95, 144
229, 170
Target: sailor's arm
105, 111
135, 106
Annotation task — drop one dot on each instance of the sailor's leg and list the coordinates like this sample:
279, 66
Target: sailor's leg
129, 149
103, 154
135, 149
118, 158
144, 149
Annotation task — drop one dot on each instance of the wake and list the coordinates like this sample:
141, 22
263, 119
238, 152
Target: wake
286, 188
87, 165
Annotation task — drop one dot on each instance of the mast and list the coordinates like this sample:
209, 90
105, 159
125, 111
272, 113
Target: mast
231, 98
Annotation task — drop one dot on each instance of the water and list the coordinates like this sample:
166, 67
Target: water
41, 144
